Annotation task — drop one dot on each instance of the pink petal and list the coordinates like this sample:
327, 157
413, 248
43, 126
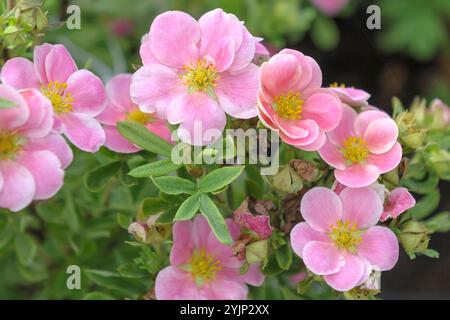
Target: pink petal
1, 181
331, 155
12, 118
145, 51
18, 186
330, 8
160, 128
321, 208
386, 161
302, 234
260, 48
311, 77
114, 141
174, 36
118, 90
174, 284
201, 119
364, 119
19, 73
47, 172
54, 143
152, 83
228, 290
349, 276
352, 96
200, 231
381, 135
379, 245
357, 176
280, 75
83, 131
237, 92
88, 93
59, 64
183, 244
39, 56
361, 206
323, 108
399, 201
253, 276
344, 128
111, 115
222, 54
40, 121
322, 258
367, 272
298, 132
316, 144
246, 52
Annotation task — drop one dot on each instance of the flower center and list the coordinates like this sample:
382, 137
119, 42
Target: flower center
203, 266
139, 117
345, 236
355, 150
201, 77
60, 99
10, 144
289, 105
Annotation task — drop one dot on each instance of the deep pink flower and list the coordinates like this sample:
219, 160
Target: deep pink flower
120, 108
32, 158
362, 147
398, 201
77, 96
196, 71
330, 7
351, 96
291, 99
339, 239
202, 267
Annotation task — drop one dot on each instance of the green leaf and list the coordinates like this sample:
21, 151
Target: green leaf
98, 296
154, 169
6, 104
219, 178
123, 220
188, 208
174, 185
425, 206
430, 253
284, 257
167, 217
26, 248
141, 136
215, 219
96, 179
151, 206
439, 222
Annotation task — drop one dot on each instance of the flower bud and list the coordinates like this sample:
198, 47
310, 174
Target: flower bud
410, 134
305, 169
287, 180
414, 237
257, 251
138, 230
440, 162
157, 232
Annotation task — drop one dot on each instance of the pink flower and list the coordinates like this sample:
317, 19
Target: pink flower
330, 7
32, 158
77, 96
398, 201
339, 239
351, 96
291, 99
196, 71
202, 267
259, 224
120, 108
362, 147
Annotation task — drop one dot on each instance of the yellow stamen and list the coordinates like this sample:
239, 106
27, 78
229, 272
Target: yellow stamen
201, 77
345, 236
289, 105
337, 85
355, 150
139, 116
60, 99
203, 266
10, 144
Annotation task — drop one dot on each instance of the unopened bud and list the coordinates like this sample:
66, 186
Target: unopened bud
138, 230
414, 237
257, 251
409, 133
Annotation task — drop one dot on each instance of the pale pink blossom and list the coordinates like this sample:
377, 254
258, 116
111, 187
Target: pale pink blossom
362, 147
330, 7
196, 72
77, 96
353, 97
32, 158
292, 101
202, 268
120, 108
339, 239
398, 201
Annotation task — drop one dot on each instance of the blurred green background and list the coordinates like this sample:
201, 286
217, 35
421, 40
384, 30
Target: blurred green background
409, 56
